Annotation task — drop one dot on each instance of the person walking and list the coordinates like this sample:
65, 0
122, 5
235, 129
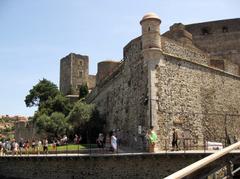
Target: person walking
174, 140
39, 146
21, 146
33, 146
100, 141
45, 146
114, 142
152, 138
15, 148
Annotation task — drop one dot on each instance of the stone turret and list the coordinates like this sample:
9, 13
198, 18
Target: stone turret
152, 56
105, 68
151, 31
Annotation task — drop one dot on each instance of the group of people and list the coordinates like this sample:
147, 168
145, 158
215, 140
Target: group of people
110, 142
19, 147
152, 139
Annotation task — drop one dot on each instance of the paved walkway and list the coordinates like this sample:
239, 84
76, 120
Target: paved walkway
121, 153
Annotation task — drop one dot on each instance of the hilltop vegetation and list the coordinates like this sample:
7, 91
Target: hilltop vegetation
7, 126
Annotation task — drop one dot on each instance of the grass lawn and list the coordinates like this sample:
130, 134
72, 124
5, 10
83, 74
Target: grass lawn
72, 147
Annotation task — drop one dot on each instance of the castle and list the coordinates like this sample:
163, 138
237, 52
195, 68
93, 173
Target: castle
188, 77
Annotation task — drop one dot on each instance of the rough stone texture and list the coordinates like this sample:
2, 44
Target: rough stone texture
25, 130
219, 38
74, 73
91, 81
197, 97
105, 69
180, 34
187, 78
190, 53
120, 97
127, 166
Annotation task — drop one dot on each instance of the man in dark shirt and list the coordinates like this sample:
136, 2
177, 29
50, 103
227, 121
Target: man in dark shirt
174, 140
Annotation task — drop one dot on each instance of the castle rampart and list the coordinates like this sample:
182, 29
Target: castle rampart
173, 84
219, 38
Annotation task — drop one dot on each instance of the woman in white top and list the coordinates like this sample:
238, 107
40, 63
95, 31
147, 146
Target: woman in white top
114, 142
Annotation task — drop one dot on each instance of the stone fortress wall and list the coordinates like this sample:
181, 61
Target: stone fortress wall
202, 101
26, 130
221, 40
120, 96
173, 85
181, 79
141, 166
197, 100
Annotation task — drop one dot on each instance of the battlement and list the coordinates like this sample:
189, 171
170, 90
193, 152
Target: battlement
221, 39
214, 43
214, 27
218, 40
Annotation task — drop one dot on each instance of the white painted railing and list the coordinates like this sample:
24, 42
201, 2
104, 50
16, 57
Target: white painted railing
203, 162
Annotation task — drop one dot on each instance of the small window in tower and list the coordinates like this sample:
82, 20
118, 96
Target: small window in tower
80, 74
149, 29
205, 31
80, 63
225, 29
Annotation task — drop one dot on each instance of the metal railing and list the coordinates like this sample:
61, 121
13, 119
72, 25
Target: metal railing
184, 145
215, 127
195, 167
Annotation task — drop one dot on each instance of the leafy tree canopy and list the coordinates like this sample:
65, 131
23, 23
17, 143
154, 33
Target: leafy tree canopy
41, 92
80, 114
53, 107
54, 126
57, 104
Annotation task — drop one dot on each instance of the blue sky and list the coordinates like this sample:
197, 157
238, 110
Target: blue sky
35, 35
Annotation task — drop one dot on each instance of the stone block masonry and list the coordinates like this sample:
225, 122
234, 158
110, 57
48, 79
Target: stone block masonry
186, 78
171, 80
140, 166
74, 73
199, 96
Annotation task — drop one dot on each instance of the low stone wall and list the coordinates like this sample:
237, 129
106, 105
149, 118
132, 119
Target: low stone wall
104, 166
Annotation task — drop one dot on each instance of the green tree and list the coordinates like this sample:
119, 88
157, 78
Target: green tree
54, 126
40, 93
57, 104
83, 91
95, 125
80, 114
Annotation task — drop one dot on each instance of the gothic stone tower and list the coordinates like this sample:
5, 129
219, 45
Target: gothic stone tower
73, 73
